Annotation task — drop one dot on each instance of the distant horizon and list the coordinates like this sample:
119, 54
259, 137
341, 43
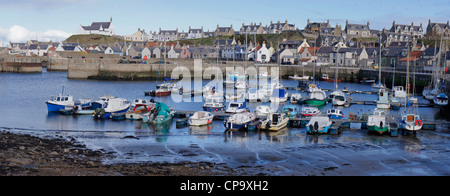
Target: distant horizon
57, 20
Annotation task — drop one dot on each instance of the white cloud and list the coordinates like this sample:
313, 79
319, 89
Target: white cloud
21, 34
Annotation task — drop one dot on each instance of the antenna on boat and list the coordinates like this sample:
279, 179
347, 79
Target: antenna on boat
62, 93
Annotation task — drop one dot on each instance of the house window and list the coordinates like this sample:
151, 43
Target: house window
392, 61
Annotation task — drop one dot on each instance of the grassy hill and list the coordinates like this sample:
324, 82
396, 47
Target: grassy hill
94, 39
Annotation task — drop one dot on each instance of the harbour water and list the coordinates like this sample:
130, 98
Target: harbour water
287, 152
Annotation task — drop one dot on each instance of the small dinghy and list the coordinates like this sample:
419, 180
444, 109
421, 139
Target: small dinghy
201, 118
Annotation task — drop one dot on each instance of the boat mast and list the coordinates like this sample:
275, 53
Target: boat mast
379, 64
407, 81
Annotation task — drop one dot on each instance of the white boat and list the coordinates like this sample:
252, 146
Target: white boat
275, 122
201, 118
411, 122
241, 85
264, 75
310, 111
441, 100
138, 101
319, 124
101, 102
60, 102
236, 107
383, 99
297, 77
399, 92
138, 111
263, 111
313, 87
296, 97
317, 98
115, 105
234, 96
338, 98
257, 95
279, 95
335, 114
240, 121
378, 85
376, 122
213, 104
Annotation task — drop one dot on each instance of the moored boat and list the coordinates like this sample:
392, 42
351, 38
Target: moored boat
441, 100
310, 111
60, 102
290, 111
240, 121
279, 95
213, 104
201, 118
236, 107
335, 114
275, 122
296, 98
138, 111
317, 98
377, 122
319, 124
115, 105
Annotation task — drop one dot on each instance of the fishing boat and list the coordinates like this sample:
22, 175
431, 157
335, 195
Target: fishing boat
236, 107
376, 122
240, 121
441, 100
313, 87
201, 118
383, 99
235, 96
60, 102
213, 104
319, 124
327, 78
411, 122
338, 98
241, 85
296, 98
279, 95
138, 110
262, 111
163, 113
162, 91
115, 105
399, 92
335, 114
297, 77
290, 111
317, 98
275, 122
102, 102
310, 111
395, 103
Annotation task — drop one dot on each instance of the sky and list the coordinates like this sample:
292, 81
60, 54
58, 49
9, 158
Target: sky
56, 20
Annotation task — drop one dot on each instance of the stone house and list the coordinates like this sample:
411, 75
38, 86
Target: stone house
253, 28
401, 29
185, 53
167, 35
308, 54
195, 33
436, 29
278, 28
224, 31
357, 30
140, 35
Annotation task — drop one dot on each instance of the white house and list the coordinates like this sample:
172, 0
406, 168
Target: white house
101, 28
113, 50
146, 53
263, 54
39, 50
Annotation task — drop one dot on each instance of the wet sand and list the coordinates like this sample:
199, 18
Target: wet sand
25, 155
352, 153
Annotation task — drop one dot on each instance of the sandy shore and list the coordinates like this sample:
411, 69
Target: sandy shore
25, 155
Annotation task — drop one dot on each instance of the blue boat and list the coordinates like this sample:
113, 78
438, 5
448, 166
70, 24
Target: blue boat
213, 104
335, 114
240, 121
60, 102
319, 124
116, 105
290, 111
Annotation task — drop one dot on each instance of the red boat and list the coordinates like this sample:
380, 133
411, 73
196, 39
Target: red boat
163, 91
325, 77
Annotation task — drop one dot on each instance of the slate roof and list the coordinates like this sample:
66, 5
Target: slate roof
358, 27
97, 25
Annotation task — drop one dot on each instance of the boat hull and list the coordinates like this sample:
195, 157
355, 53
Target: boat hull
213, 109
312, 131
54, 107
378, 129
316, 102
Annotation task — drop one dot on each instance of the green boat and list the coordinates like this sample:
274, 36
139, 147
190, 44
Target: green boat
317, 98
377, 122
164, 113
